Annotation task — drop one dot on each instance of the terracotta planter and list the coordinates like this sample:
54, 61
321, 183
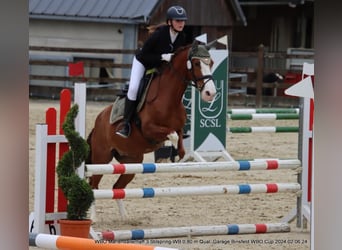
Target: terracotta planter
75, 228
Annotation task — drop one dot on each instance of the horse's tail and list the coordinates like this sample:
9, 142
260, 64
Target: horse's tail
88, 160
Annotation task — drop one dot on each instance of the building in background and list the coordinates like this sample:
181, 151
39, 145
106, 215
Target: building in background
122, 24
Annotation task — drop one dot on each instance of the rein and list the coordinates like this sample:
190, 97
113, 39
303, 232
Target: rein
207, 78
194, 81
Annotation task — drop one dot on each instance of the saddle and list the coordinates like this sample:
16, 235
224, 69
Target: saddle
119, 103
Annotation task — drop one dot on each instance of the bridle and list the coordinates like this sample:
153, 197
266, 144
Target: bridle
204, 57
194, 81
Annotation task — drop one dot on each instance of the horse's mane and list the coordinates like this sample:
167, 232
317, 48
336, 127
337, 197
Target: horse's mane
175, 54
180, 49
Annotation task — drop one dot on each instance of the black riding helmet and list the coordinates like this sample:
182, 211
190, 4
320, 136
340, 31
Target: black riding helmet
176, 13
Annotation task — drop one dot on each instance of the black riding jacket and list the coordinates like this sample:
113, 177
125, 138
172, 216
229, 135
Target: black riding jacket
159, 43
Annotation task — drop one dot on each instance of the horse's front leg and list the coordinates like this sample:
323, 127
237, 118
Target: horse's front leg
176, 139
159, 132
181, 150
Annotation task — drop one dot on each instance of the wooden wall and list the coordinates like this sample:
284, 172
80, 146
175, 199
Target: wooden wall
200, 12
62, 33
214, 17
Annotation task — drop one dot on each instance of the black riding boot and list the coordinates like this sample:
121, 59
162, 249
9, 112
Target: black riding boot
129, 111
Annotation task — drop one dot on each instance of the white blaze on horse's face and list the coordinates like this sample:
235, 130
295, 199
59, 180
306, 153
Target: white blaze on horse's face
209, 90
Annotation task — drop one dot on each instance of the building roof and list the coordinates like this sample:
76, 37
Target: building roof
128, 11
240, 16
291, 3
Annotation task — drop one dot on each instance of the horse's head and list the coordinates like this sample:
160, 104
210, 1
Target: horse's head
199, 65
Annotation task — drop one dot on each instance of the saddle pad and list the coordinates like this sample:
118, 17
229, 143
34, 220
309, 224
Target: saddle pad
119, 105
117, 110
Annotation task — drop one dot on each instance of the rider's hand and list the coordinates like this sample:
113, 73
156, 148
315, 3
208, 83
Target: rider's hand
167, 57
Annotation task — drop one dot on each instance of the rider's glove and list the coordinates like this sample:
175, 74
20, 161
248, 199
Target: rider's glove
167, 57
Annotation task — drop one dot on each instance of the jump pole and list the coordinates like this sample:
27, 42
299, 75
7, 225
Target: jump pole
267, 116
48, 241
168, 232
277, 129
264, 111
150, 192
151, 168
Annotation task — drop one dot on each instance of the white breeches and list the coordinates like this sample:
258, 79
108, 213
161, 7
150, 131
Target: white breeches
136, 74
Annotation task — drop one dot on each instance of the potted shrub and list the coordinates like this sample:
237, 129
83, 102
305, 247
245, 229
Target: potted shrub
76, 190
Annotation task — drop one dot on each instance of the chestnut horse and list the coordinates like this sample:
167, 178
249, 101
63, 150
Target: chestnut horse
161, 115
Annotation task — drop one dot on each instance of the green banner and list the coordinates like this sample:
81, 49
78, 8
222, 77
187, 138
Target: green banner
206, 122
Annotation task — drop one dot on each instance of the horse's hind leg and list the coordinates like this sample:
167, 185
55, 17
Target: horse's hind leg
94, 181
123, 181
97, 155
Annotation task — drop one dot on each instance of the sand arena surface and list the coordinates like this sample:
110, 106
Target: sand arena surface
202, 210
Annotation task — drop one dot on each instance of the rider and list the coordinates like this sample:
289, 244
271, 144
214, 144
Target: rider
157, 48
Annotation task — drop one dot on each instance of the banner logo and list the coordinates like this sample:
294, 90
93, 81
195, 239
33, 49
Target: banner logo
213, 109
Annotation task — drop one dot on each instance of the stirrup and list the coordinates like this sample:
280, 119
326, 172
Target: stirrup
125, 131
